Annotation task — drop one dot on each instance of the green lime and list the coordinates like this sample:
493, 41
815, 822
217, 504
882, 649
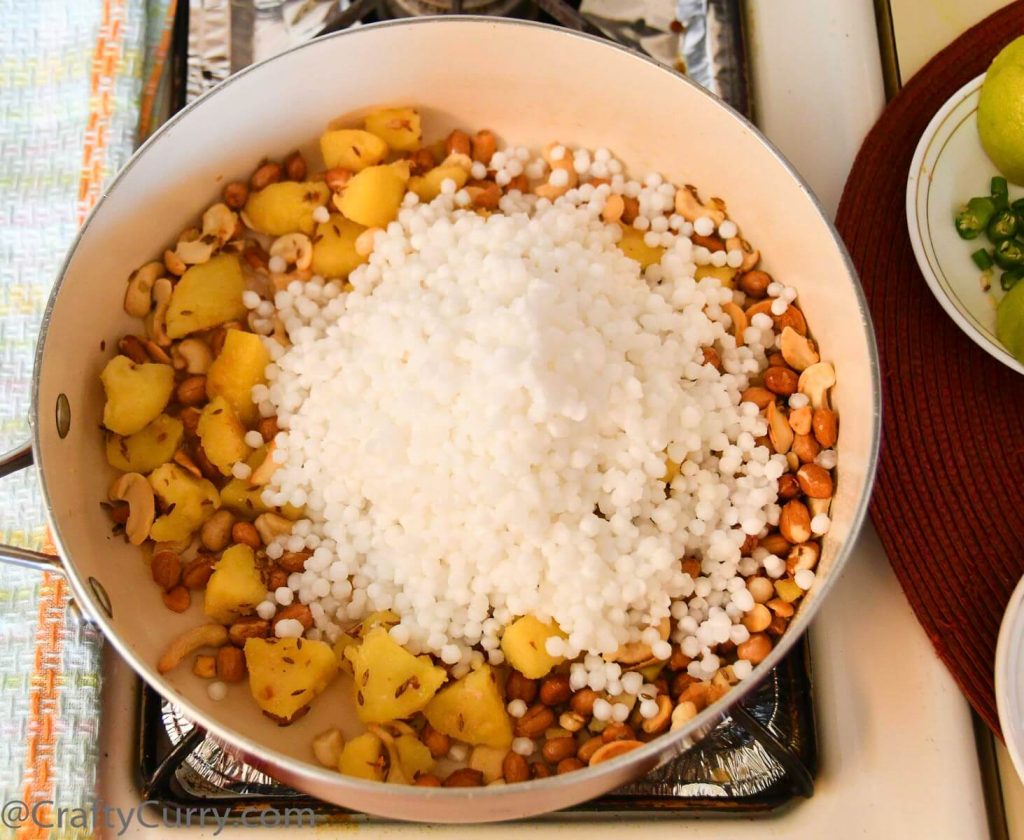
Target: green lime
1010, 321
1001, 111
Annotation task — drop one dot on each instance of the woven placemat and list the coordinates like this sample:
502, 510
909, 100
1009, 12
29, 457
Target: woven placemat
948, 503
79, 83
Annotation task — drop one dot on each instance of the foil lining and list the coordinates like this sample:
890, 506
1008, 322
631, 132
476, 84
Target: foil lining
729, 764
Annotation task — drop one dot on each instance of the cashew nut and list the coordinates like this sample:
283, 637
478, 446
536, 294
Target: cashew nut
660, 721
739, 320
192, 355
683, 714
816, 506
327, 747
803, 556
205, 635
174, 264
271, 525
195, 251
797, 350
138, 297
815, 382
689, 206
295, 249
779, 431
458, 159
613, 750
751, 256
365, 240
162, 290
134, 489
261, 475
220, 222
639, 654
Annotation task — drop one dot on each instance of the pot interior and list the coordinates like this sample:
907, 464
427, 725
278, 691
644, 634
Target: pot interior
531, 85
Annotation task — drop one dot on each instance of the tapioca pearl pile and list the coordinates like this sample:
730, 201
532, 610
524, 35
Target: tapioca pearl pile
452, 424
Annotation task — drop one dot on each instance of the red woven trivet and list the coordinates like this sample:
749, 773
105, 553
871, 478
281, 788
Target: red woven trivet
949, 502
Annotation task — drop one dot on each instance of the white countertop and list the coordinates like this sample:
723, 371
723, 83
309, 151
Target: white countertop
897, 749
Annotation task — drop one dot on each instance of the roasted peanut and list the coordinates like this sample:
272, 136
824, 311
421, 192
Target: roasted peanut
613, 749
616, 731
464, 777
761, 397
215, 535
437, 742
134, 348
514, 768
294, 561
825, 424
485, 144
806, 448
458, 143
166, 569
815, 481
555, 689
248, 627
298, 612
789, 487
567, 765
571, 721
800, 420
754, 283
757, 619
795, 521
589, 747
630, 210
230, 663
761, 589
337, 178
484, 195
295, 166
427, 780
712, 243
582, 702
755, 649
781, 380
518, 687
177, 600
534, 722
557, 749
265, 175
276, 578
539, 770
235, 194
246, 534
268, 428
191, 390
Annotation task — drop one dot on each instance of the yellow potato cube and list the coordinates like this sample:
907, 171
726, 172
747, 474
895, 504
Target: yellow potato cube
398, 127
723, 273
372, 197
352, 148
390, 683
334, 247
286, 207
235, 587
523, 644
239, 366
144, 451
222, 435
472, 710
207, 295
194, 501
243, 499
428, 186
633, 246
136, 394
414, 755
363, 757
286, 675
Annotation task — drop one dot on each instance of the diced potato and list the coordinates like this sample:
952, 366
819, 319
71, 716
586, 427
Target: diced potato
373, 196
352, 148
380, 618
222, 435
428, 186
722, 272
523, 644
286, 675
334, 247
390, 683
136, 394
239, 366
341, 644
144, 451
472, 710
363, 757
286, 207
489, 761
243, 499
414, 755
633, 246
235, 587
398, 127
194, 499
207, 295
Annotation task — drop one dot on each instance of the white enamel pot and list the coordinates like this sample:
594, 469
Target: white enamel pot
531, 84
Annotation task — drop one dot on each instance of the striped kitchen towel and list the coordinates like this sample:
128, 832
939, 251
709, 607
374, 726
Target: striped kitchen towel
79, 83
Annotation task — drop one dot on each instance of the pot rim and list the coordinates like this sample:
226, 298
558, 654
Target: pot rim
659, 749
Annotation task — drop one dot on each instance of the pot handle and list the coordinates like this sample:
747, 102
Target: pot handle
10, 462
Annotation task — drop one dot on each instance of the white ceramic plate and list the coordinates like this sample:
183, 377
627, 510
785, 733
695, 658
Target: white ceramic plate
1010, 677
949, 167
